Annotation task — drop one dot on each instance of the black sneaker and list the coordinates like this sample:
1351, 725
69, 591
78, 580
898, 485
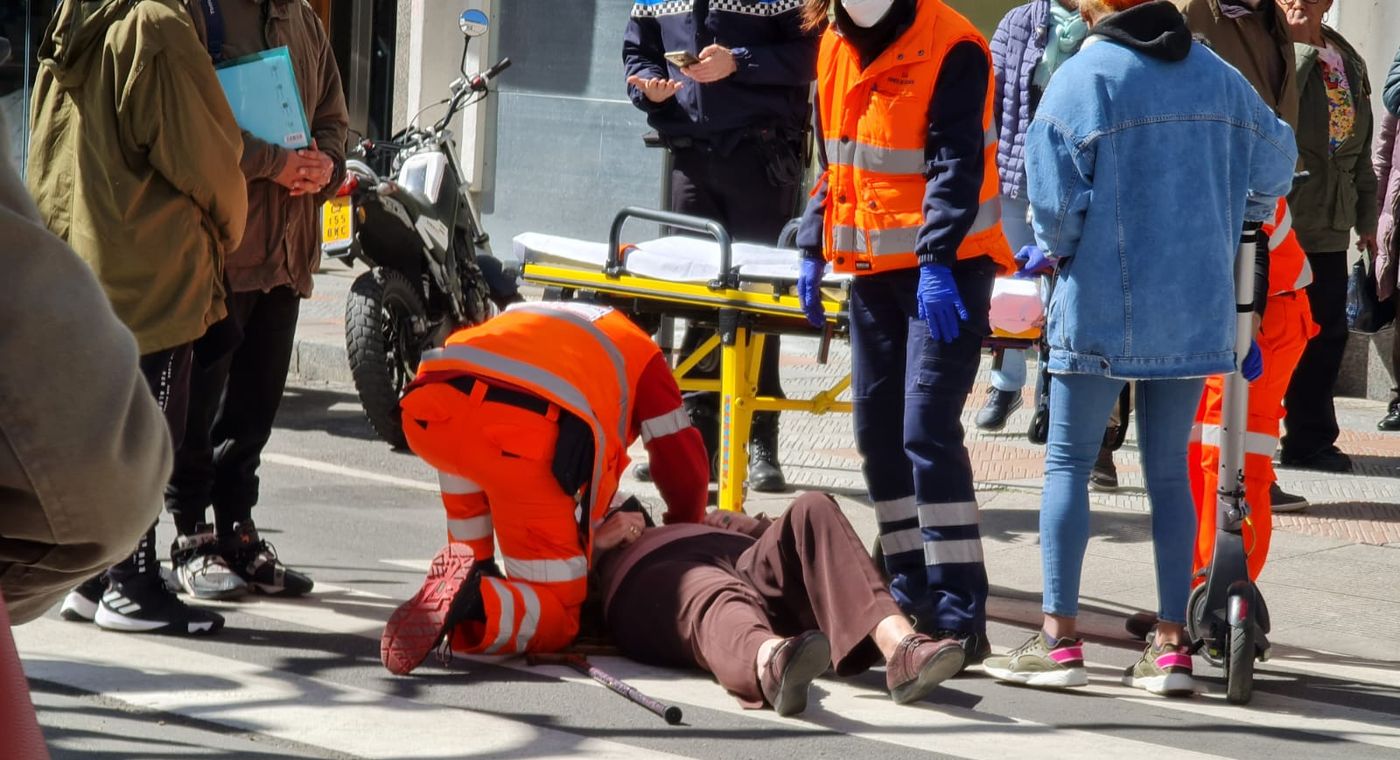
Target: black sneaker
1281, 501
255, 561
976, 647
1330, 459
143, 604
200, 570
80, 606
1104, 476
999, 406
642, 472
1391, 421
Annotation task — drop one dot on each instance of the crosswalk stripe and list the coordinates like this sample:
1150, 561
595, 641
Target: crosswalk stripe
349, 472
341, 718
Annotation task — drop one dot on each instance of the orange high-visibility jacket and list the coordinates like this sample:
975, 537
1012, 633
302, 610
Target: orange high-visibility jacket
1288, 264
587, 359
875, 129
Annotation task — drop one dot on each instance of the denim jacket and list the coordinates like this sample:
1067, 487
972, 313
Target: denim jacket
1142, 157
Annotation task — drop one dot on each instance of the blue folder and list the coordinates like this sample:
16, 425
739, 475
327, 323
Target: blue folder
262, 91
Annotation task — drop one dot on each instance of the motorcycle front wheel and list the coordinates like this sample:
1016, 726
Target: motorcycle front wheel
383, 345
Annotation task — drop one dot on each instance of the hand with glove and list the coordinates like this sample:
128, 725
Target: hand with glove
939, 303
809, 290
1034, 262
1253, 365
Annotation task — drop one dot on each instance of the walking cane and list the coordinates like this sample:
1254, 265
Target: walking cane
670, 713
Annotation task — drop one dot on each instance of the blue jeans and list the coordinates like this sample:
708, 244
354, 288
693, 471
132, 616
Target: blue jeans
908, 392
1016, 224
1079, 407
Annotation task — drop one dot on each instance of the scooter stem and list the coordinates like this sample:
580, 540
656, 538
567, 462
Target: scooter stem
1231, 505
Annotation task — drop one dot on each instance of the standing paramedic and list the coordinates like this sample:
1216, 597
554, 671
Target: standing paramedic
733, 121
527, 419
909, 203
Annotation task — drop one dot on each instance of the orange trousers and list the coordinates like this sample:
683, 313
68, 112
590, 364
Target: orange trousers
1283, 335
493, 461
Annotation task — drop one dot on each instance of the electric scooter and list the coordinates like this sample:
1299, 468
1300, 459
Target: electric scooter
1226, 616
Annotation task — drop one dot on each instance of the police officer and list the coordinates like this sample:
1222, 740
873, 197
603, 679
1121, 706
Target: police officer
732, 117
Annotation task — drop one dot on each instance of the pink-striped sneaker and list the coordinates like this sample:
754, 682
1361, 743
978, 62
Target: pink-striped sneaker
1040, 662
1165, 671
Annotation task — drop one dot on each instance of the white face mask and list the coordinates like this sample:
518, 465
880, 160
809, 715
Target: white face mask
866, 13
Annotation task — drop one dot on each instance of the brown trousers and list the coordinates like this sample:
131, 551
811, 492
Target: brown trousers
711, 597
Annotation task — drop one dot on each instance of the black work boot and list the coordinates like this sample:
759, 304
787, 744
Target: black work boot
765, 475
1391, 421
704, 417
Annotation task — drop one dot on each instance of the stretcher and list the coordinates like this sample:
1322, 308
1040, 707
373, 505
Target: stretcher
744, 291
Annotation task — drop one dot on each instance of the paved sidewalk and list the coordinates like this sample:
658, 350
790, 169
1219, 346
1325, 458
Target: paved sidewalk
1331, 582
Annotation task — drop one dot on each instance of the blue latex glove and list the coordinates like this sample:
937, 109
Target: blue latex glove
1033, 262
939, 303
1253, 365
809, 290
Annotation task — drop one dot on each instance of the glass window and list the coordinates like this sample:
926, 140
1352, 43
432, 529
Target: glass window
23, 25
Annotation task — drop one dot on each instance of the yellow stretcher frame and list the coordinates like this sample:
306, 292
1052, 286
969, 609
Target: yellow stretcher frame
744, 317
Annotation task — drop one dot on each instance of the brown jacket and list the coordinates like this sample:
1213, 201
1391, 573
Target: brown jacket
282, 243
1258, 45
134, 161
84, 450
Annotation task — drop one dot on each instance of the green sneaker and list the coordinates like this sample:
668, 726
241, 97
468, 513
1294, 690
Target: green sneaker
1040, 662
1165, 671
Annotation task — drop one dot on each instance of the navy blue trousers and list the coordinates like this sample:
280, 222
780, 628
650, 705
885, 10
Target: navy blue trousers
908, 393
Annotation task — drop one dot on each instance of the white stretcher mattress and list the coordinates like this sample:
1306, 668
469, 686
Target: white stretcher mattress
674, 259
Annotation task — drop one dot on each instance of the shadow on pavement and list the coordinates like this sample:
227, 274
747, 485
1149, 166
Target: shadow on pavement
311, 409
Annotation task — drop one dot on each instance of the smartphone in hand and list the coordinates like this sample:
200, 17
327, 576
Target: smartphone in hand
682, 58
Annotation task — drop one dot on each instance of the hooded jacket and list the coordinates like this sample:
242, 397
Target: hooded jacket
1150, 154
134, 161
281, 243
1257, 44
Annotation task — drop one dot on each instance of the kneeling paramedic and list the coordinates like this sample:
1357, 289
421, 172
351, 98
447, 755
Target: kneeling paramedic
527, 419
909, 203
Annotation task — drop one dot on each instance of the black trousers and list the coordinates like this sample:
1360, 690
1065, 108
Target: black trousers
167, 373
233, 402
734, 188
1311, 417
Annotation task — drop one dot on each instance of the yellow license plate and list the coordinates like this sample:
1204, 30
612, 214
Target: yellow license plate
337, 229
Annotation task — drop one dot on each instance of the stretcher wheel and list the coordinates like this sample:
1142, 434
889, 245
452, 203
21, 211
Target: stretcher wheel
1239, 658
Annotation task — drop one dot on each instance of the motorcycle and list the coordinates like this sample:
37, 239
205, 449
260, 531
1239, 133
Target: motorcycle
404, 209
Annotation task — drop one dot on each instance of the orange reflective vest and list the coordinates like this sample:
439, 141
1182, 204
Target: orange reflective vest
585, 358
1288, 264
875, 130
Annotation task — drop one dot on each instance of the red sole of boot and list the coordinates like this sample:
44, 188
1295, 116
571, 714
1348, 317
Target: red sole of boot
416, 626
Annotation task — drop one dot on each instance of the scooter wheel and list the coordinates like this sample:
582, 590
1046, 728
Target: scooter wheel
1039, 431
1239, 662
1199, 627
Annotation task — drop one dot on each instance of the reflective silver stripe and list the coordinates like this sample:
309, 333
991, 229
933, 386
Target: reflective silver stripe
948, 515
505, 621
455, 485
667, 424
837, 152
1305, 275
1195, 433
901, 541
547, 570
959, 552
615, 356
872, 158
470, 529
893, 241
896, 510
552, 384
1258, 444
989, 138
1281, 231
530, 620
847, 238
988, 216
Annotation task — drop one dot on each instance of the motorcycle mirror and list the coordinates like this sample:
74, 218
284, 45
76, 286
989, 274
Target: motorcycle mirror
473, 23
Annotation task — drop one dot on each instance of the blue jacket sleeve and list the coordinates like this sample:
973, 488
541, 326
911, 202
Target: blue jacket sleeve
643, 56
954, 155
791, 61
811, 230
1272, 165
1058, 184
